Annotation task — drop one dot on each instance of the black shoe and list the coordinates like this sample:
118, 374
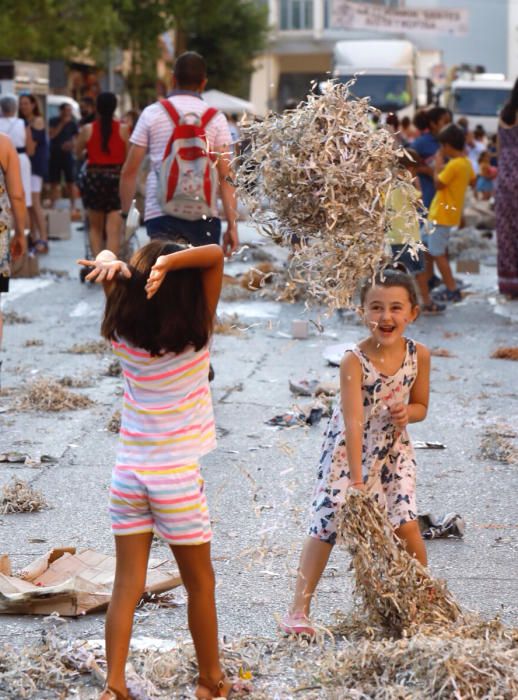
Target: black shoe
211, 373
434, 282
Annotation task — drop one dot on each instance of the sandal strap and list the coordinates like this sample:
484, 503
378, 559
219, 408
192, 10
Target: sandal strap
213, 688
115, 694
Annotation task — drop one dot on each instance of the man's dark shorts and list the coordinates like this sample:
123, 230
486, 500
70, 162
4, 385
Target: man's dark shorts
401, 254
170, 228
61, 162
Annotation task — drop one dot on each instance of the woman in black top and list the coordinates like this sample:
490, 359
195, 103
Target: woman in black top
38, 151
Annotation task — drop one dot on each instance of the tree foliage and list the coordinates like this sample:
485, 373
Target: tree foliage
227, 32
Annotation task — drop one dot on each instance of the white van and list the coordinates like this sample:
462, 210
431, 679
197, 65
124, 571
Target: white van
54, 102
479, 100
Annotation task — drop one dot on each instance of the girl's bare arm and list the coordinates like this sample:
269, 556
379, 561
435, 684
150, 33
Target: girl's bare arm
352, 408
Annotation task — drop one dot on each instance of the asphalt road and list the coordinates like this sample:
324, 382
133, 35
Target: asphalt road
260, 478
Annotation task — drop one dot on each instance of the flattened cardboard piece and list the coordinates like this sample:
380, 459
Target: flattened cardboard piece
72, 584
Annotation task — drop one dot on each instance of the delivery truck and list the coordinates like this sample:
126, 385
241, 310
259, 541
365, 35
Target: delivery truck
389, 71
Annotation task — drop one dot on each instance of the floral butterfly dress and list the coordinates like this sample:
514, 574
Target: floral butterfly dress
388, 459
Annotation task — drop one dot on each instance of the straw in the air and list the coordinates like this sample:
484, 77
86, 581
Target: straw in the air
318, 180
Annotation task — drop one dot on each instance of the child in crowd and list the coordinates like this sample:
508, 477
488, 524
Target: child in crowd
451, 180
486, 177
403, 204
384, 385
167, 425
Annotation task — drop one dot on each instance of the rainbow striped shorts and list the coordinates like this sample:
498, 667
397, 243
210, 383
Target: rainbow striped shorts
168, 501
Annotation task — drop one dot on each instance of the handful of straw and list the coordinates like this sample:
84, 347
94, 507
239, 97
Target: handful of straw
397, 592
326, 177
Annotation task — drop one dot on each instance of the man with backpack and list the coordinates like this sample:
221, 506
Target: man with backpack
189, 146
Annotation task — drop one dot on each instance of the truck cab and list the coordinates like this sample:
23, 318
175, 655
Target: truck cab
385, 70
479, 99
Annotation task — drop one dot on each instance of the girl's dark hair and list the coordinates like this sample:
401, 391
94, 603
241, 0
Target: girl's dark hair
484, 154
390, 277
173, 319
36, 111
508, 113
106, 105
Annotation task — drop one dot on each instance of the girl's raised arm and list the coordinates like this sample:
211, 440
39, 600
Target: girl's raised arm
209, 258
352, 409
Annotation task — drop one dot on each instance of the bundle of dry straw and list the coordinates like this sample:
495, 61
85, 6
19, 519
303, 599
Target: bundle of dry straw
19, 497
396, 591
321, 177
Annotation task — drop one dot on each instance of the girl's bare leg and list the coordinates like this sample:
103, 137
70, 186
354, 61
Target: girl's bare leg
198, 578
130, 578
96, 230
313, 561
38, 217
113, 232
414, 544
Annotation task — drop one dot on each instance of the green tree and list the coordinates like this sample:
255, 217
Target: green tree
38, 30
228, 33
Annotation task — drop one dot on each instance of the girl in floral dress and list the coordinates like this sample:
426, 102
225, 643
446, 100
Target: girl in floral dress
384, 385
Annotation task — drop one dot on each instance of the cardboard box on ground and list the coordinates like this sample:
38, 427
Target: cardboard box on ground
71, 584
58, 224
26, 266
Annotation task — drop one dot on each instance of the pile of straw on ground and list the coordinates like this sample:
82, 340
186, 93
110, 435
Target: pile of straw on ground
13, 317
499, 444
505, 353
90, 347
48, 395
19, 497
318, 179
114, 424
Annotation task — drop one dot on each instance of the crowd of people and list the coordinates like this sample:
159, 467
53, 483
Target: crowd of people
445, 160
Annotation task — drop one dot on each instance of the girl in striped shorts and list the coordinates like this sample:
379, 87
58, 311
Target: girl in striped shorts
158, 317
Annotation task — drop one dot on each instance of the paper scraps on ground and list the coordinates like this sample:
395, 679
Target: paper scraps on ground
428, 445
73, 584
313, 387
449, 525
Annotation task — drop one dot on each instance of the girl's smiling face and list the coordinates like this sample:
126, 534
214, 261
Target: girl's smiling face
387, 311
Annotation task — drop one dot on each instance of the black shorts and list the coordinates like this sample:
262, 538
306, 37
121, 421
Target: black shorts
100, 189
4, 284
171, 228
61, 162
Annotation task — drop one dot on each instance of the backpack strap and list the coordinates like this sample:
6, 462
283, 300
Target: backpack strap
209, 114
171, 111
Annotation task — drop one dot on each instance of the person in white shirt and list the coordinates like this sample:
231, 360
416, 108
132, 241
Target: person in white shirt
150, 137
14, 127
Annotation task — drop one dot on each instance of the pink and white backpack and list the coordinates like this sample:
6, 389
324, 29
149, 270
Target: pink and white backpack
188, 180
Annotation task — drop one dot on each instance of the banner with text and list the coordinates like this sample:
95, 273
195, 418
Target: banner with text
346, 14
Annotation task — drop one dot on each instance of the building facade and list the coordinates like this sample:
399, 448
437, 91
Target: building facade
301, 44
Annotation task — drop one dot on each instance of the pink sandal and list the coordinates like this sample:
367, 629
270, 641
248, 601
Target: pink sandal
297, 623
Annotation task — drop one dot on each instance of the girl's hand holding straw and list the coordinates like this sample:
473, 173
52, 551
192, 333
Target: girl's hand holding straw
399, 414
